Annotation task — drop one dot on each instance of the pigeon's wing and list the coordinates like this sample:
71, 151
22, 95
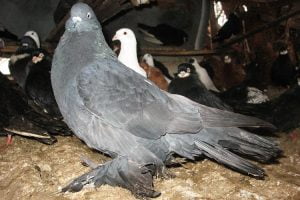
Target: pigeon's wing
121, 98
126, 100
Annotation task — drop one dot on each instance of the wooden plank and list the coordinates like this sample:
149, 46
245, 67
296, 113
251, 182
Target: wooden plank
11, 48
166, 51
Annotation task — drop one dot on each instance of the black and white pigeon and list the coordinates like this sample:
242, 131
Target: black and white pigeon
203, 75
30, 67
163, 34
283, 72
188, 84
148, 58
232, 26
118, 112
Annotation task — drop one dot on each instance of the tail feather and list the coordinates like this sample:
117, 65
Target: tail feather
225, 157
251, 145
216, 118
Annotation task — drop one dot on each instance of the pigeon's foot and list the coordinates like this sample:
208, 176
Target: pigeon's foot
118, 172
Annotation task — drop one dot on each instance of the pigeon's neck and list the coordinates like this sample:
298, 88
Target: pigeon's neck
128, 56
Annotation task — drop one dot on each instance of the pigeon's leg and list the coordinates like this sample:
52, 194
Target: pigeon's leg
118, 172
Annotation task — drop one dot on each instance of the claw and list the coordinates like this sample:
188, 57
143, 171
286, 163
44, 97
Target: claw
73, 187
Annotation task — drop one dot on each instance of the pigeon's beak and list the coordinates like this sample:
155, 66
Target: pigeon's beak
115, 38
76, 19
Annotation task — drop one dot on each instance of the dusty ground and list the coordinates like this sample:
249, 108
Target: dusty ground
30, 170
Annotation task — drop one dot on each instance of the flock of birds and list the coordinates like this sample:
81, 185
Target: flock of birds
136, 112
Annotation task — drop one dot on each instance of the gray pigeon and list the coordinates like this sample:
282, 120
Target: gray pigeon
122, 114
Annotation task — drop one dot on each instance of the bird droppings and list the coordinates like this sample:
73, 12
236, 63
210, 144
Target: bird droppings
31, 170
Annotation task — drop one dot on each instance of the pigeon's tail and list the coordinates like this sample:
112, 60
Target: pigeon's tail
225, 157
119, 172
227, 146
248, 145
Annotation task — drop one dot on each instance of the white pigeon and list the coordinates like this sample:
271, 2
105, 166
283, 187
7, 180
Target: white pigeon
128, 52
203, 76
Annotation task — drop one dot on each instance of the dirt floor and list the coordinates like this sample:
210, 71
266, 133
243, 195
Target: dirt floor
31, 170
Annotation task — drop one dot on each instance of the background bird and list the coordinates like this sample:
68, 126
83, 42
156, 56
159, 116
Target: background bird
16, 116
30, 67
128, 50
188, 84
203, 75
163, 34
231, 27
155, 75
148, 58
118, 112
283, 72
128, 56
248, 90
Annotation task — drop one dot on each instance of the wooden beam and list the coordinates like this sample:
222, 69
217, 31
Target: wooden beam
260, 29
11, 48
166, 51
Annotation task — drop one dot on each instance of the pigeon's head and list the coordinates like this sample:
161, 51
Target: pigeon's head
148, 58
184, 70
34, 36
125, 35
82, 18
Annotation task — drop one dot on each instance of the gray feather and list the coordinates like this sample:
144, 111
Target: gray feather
120, 113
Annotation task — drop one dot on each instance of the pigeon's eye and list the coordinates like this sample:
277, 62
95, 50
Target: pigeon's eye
125, 33
89, 15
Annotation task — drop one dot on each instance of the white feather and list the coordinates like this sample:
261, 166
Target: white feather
128, 52
204, 77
